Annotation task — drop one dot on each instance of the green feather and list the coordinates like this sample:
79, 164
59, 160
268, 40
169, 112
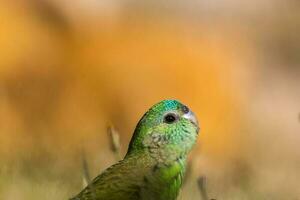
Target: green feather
154, 165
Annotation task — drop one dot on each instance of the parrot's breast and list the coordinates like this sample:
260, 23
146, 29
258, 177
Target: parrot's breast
163, 182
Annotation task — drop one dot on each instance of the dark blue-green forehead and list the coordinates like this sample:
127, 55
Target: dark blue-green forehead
166, 105
157, 111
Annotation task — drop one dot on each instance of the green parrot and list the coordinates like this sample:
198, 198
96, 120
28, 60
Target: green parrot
154, 166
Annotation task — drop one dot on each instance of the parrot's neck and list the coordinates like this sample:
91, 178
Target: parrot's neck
167, 155
162, 175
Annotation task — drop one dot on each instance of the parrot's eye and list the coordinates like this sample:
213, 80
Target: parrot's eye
170, 118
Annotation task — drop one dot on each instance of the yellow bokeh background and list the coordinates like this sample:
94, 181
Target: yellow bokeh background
67, 71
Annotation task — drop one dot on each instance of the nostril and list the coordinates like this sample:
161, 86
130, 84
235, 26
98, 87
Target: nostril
185, 109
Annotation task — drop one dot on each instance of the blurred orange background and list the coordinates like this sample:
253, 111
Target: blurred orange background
68, 70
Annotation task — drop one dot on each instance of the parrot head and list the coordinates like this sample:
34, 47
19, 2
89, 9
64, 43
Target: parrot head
167, 126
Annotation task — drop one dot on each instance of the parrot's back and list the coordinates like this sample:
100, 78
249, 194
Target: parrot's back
116, 183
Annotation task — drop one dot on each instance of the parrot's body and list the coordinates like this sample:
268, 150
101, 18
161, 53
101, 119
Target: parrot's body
154, 165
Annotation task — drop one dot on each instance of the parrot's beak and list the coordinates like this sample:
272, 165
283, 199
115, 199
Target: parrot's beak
192, 117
